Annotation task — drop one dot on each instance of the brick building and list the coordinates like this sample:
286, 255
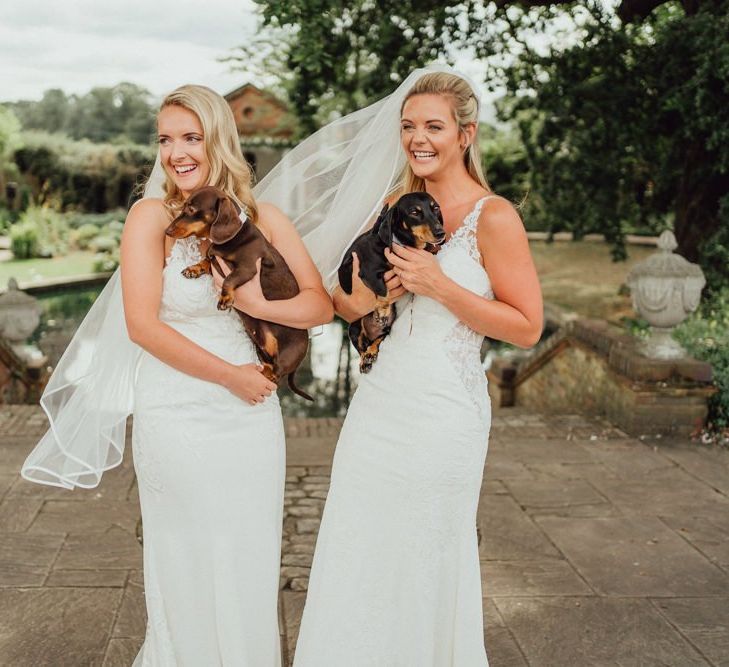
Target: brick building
265, 125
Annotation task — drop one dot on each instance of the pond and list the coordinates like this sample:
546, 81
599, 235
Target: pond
329, 372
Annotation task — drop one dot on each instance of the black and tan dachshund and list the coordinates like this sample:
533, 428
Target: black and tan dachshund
413, 220
210, 213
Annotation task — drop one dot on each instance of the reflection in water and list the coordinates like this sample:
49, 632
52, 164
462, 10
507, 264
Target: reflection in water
63, 311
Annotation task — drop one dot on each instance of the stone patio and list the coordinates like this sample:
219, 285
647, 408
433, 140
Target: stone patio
596, 548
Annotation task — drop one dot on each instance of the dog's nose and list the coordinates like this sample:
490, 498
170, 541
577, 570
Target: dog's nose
440, 236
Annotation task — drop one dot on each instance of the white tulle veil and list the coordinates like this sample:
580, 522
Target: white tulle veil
330, 185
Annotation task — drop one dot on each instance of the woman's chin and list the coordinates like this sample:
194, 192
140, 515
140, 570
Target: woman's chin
187, 185
423, 170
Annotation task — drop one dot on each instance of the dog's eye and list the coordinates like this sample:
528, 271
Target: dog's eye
414, 211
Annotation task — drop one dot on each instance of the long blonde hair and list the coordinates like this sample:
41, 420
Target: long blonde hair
465, 111
229, 170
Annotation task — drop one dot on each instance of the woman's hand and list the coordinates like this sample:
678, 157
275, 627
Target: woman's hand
418, 270
248, 297
248, 383
364, 297
395, 290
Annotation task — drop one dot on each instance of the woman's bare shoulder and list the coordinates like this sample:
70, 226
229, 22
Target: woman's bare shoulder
149, 211
272, 221
498, 213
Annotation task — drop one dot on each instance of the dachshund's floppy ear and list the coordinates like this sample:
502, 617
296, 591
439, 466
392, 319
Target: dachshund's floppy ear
227, 223
384, 231
438, 213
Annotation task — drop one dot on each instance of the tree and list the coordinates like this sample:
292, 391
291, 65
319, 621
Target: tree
628, 126
118, 113
339, 56
624, 114
9, 141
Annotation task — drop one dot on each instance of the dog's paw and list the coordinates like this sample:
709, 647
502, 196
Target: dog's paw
192, 272
366, 361
225, 303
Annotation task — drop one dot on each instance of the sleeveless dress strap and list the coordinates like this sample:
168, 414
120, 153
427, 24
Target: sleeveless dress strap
470, 227
472, 218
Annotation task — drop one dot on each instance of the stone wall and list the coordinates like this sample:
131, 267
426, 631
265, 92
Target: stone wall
595, 368
19, 383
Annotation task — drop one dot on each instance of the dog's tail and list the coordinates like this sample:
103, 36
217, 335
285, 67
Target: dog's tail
296, 390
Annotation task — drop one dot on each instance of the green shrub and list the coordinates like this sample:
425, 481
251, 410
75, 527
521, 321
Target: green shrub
81, 175
705, 335
114, 229
83, 236
107, 261
104, 244
24, 240
40, 232
77, 219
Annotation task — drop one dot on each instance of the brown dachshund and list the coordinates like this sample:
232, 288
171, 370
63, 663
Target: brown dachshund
414, 220
210, 213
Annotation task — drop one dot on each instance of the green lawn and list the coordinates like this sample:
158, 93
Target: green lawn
27, 271
579, 276
582, 277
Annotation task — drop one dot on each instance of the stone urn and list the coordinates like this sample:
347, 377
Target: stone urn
19, 317
665, 288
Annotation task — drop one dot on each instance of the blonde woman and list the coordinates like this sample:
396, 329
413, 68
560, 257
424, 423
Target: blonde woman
395, 579
207, 437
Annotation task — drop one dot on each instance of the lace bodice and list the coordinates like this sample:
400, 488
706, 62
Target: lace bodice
425, 320
190, 305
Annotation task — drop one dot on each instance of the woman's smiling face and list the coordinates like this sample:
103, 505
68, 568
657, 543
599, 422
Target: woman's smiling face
429, 134
182, 148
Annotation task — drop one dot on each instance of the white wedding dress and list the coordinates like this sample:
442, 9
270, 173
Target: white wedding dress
210, 471
395, 580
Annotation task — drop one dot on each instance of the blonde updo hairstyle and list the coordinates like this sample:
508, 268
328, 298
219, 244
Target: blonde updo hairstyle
465, 111
229, 170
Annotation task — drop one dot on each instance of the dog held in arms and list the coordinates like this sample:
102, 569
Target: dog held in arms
413, 220
210, 213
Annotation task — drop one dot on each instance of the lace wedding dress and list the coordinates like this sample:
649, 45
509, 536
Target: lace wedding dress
395, 580
210, 471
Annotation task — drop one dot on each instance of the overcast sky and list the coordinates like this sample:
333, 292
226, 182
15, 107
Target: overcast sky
159, 44
78, 44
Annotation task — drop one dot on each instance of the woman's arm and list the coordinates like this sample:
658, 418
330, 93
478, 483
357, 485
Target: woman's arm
142, 261
362, 300
312, 305
516, 314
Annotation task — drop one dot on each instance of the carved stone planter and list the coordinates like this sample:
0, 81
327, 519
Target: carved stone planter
19, 317
665, 288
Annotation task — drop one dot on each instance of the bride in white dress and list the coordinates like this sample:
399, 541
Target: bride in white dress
208, 438
395, 580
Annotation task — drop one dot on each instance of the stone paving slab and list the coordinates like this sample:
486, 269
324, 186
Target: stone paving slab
710, 535
530, 578
706, 464
56, 626
508, 533
649, 558
669, 493
704, 622
574, 631
569, 505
